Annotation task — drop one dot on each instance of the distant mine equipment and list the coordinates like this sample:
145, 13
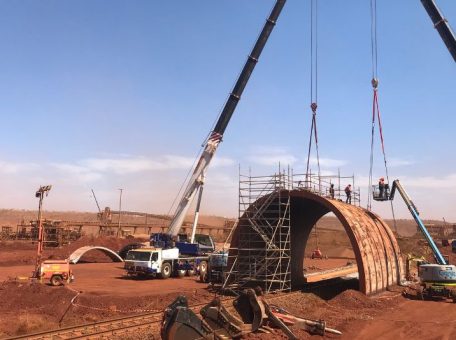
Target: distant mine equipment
444, 231
56, 233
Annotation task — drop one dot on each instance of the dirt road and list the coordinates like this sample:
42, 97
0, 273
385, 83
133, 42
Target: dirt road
109, 278
409, 320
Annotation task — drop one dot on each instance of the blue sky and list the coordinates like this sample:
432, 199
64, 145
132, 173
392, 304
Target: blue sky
120, 94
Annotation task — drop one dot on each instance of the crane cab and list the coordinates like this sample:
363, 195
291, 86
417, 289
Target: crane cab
379, 194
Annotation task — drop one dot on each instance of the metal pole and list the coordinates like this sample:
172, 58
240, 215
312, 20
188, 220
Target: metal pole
120, 211
40, 235
197, 209
40, 194
338, 176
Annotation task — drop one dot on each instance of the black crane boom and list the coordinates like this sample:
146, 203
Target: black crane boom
196, 181
252, 60
441, 25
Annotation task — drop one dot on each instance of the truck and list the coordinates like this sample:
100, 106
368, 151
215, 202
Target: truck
162, 263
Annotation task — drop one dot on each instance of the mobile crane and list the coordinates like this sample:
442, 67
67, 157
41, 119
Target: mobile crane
196, 182
188, 257
436, 279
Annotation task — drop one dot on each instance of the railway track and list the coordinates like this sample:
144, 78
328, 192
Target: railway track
108, 329
147, 322
102, 329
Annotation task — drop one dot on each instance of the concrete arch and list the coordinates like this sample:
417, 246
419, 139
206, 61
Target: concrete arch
378, 256
78, 253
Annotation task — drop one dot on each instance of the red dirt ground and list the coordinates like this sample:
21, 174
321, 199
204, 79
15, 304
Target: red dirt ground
105, 293
26, 307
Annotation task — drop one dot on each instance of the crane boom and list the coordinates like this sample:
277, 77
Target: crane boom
197, 178
441, 25
414, 211
96, 201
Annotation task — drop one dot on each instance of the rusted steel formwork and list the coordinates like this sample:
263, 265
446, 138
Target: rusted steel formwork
377, 253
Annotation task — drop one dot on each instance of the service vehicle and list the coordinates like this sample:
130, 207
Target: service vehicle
162, 263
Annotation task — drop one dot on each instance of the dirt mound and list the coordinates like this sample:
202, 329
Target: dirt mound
30, 307
34, 296
353, 299
17, 245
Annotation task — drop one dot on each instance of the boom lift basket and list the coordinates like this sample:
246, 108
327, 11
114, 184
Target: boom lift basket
381, 196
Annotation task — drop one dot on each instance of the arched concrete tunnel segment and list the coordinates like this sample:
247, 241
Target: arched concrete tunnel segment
78, 253
378, 256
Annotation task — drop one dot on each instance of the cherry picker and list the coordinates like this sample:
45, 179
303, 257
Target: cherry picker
436, 279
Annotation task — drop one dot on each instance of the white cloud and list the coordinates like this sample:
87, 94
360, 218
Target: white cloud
94, 169
397, 162
222, 161
430, 182
82, 174
328, 162
129, 165
13, 168
272, 156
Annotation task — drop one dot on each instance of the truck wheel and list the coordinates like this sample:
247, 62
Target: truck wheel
203, 277
181, 272
203, 267
420, 294
453, 295
56, 280
165, 271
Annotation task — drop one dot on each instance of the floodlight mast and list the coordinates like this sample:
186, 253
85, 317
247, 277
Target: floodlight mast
43, 190
197, 179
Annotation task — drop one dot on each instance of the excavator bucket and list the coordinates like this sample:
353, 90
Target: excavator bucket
224, 324
181, 323
250, 309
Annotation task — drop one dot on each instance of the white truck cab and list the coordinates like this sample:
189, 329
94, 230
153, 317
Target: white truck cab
151, 261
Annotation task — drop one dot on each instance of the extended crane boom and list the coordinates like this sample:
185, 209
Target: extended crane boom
197, 179
383, 196
441, 25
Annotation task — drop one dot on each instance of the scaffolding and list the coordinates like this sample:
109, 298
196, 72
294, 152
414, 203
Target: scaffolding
263, 252
320, 185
